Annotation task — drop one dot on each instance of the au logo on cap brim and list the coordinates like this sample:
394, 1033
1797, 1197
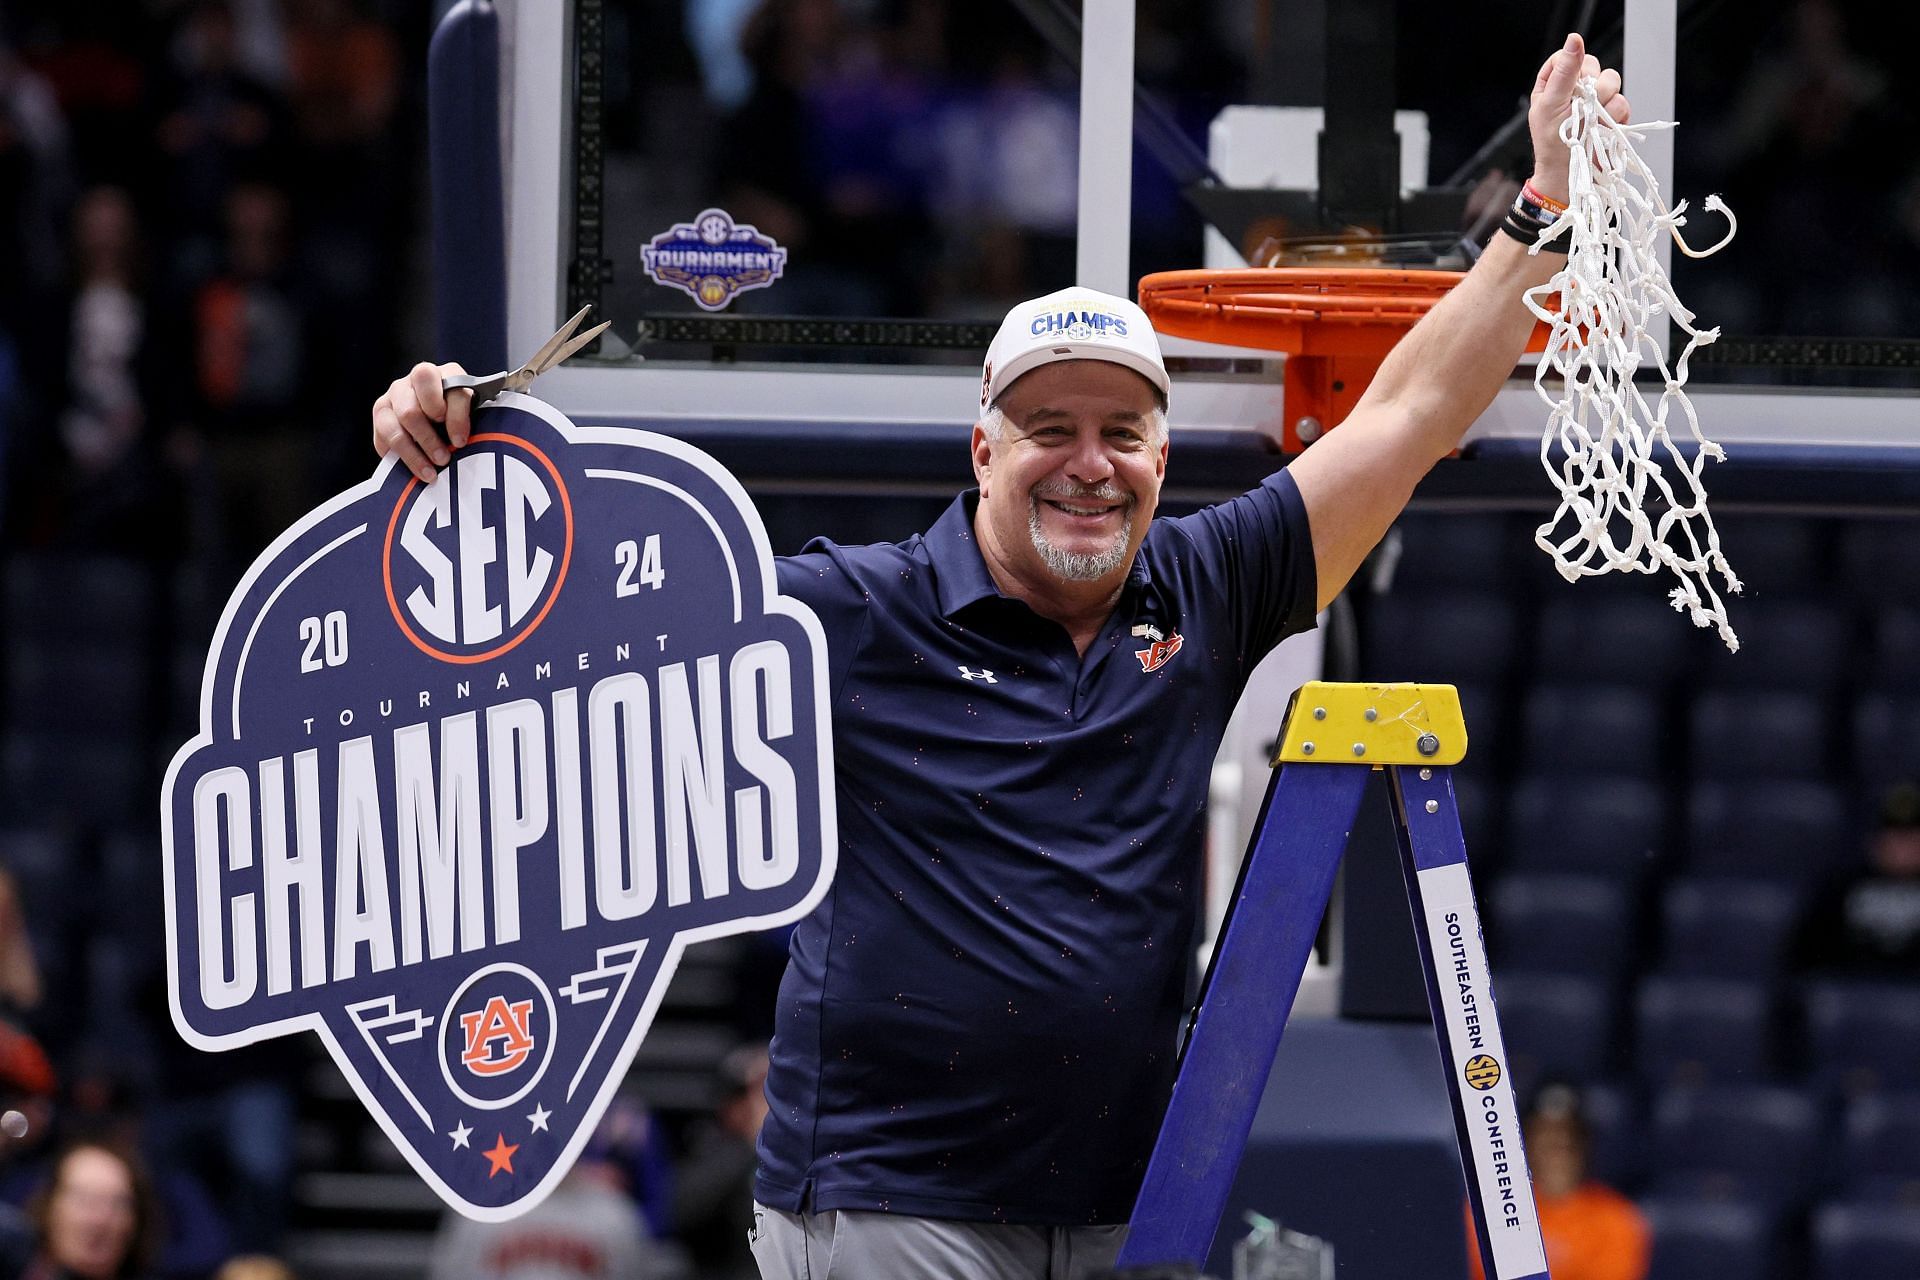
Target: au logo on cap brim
476, 761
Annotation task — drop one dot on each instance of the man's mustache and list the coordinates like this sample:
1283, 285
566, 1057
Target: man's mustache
1071, 493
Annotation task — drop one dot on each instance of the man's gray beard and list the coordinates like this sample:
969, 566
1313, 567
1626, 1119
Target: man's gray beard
1079, 566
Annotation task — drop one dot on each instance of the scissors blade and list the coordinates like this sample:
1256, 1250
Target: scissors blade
560, 356
542, 360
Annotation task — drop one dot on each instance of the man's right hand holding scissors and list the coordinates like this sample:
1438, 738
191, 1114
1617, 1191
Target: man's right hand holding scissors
406, 420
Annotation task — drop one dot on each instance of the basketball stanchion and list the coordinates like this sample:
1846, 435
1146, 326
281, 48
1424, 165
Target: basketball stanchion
1335, 734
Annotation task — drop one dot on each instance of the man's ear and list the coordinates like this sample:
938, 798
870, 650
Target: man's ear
982, 457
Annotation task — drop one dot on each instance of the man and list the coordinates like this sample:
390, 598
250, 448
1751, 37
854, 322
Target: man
975, 1034
713, 1186
1591, 1231
588, 1229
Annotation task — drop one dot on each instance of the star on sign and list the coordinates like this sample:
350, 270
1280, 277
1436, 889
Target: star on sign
501, 1157
538, 1118
460, 1135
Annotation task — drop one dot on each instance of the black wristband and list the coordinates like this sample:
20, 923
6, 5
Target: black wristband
1534, 234
1528, 222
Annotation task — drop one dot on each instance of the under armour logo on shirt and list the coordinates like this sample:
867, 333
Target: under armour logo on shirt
970, 674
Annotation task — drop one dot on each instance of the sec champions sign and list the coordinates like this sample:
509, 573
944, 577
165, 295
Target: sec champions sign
476, 760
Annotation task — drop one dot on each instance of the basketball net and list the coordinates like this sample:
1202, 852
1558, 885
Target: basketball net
1616, 449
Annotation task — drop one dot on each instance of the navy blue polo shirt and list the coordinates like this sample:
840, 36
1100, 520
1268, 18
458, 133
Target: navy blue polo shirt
979, 1020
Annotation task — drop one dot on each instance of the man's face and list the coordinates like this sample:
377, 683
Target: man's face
90, 1218
1557, 1153
1069, 488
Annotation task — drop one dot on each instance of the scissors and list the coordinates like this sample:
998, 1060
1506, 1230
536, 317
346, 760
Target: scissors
552, 352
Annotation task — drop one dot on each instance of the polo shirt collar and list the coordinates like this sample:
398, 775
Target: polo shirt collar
960, 572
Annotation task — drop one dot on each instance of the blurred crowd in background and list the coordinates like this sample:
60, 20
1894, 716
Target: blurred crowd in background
211, 214
213, 257
208, 212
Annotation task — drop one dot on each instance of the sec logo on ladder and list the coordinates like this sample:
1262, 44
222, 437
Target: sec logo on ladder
477, 760
1482, 1072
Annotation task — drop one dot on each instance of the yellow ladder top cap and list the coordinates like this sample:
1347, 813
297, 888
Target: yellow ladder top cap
1374, 724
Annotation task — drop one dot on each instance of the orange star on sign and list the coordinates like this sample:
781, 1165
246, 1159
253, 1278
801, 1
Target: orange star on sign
501, 1157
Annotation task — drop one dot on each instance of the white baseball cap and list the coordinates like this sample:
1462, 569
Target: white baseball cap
1073, 324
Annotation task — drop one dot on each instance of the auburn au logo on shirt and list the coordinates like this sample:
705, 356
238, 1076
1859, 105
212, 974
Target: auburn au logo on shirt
476, 761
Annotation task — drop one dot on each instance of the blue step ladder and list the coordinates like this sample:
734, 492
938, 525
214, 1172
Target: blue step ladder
1335, 734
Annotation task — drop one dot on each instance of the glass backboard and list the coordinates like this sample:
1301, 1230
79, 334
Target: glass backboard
916, 166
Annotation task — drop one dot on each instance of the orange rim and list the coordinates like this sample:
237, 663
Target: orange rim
1297, 310
1242, 305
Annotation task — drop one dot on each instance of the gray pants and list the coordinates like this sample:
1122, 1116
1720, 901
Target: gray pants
841, 1244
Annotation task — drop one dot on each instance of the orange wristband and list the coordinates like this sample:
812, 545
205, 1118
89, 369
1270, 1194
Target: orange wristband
1532, 193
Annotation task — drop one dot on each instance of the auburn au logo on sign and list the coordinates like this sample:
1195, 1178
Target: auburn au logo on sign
477, 760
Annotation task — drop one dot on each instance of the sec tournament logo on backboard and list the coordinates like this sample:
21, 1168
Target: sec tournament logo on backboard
713, 259
477, 760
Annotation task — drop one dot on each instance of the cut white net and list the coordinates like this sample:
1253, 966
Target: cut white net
1617, 452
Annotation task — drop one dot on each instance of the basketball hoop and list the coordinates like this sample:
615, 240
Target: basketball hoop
1335, 325
1627, 468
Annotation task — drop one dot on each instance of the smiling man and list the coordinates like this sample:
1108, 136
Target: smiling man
1069, 451
975, 1035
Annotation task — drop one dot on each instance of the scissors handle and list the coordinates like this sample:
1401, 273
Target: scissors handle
484, 389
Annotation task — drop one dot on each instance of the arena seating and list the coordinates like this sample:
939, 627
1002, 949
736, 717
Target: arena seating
1728, 927
1616, 1120
1555, 1027
1710, 1240
1763, 1144
1570, 924
1589, 729
1617, 639
1885, 747
1867, 548
1759, 734
1649, 819
1789, 830
1473, 636
1894, 659
1864, 1036
1866, 1242
1610, 826
1880, 1153
1790, 644
1694, 1030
